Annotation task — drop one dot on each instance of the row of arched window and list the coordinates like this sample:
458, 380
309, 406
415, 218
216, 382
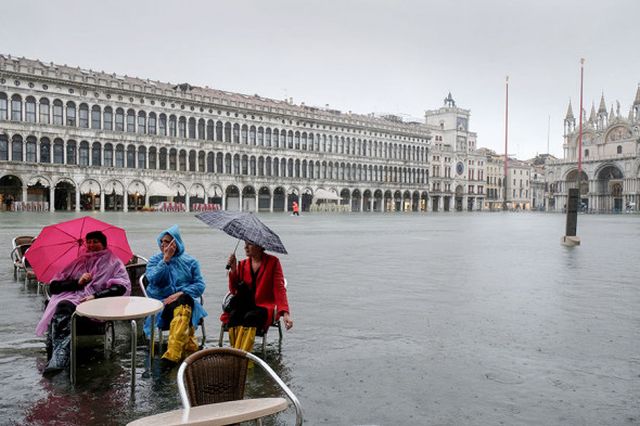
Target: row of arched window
118, 155
107, 118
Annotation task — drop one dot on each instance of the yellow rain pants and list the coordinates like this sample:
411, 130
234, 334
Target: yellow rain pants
178, 333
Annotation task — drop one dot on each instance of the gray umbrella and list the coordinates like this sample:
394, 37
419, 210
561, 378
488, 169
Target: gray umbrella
244, 226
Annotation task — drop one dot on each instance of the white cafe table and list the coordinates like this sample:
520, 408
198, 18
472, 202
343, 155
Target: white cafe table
120, 308
221, 413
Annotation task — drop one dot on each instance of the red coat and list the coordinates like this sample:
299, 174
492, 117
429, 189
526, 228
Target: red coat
270, 291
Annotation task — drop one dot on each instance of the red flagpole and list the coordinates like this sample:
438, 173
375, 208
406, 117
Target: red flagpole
506, 138
580, 126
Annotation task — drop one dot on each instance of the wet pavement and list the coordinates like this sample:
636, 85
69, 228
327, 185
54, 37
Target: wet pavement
441, 319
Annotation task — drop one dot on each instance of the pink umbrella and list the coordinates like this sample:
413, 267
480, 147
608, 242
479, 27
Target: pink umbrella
60, 244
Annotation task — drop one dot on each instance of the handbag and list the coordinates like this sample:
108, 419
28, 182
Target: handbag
243, 299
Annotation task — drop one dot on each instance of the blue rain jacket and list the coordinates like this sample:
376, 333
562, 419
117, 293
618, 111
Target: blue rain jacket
182, 273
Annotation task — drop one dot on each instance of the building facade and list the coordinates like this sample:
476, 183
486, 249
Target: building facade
76, 139
610, 178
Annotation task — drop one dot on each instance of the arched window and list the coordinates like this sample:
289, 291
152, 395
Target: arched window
32, 150
44, 111
162, 125
83, 116
276, 167
16, 148
252, 135
219, 131
219, 163
267, 138
83, 154
192, 128
108, 155
227, 132
267, 166
245, 165
96, 154
71, 114
252, 166
227, 164
211, 158
131, 121
276, 138
16, 108
173, 124
142, 122
236, 164
119, 120
163, 159
210, 130
45, 150
152, 158
142, 157
290, 139
173, 159
107, 118
3, 106
244, 134
152, 123
30, 109
236, 133
297, 140
131, 157
260, 166
71, 152
119, 156
192, 161
183, 160
95, 117
58, 112
58, 151
201, 129
619, 149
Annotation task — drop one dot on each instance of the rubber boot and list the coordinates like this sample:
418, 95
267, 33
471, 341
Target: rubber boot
232, 336
61, 345
248, 337
239, 333
178, 334
192, 342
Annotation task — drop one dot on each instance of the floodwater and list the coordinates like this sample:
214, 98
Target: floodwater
400, 319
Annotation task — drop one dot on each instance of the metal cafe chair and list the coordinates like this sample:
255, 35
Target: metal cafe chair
20, 245
218, 375
260, 332
143, 283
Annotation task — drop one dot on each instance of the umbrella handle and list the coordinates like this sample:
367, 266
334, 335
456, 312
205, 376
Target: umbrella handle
234, 252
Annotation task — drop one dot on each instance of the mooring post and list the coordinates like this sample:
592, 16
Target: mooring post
570, 238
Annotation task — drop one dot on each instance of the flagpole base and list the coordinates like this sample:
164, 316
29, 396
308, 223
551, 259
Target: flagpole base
570, 241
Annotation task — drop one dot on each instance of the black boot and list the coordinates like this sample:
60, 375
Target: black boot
61, 342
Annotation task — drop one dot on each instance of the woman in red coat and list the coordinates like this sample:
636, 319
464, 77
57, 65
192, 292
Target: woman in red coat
257, 284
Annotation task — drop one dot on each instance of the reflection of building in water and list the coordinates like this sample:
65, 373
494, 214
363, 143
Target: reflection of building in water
81, 139
610, 164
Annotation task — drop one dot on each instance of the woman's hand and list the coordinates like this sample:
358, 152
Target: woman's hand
87, 298
169, 251
172, 298
288, 322
232, 262
85, 278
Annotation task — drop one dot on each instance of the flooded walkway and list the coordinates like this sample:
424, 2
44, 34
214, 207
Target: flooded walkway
400, 319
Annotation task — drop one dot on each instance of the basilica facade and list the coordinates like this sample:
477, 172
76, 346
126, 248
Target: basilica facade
78, 139
610, 176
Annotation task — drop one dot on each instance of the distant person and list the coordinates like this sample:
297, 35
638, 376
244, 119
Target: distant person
95, 274
175, 279
257, 284
8, 201
296, 209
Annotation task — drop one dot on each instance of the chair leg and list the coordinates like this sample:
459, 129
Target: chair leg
280, 331
204, 335
109, 338
221, 335
264, 344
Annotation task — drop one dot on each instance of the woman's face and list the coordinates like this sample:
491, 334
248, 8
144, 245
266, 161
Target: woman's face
94, 245
252, 250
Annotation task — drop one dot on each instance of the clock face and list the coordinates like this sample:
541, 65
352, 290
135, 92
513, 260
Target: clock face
460, 168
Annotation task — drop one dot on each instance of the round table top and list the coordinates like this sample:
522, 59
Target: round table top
119, 308
221, 413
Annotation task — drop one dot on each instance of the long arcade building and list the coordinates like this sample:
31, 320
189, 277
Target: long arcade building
72, 138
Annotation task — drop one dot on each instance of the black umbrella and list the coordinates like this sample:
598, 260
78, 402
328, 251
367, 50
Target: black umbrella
244, 226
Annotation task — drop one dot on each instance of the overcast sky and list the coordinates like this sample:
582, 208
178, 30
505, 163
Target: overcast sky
382, 56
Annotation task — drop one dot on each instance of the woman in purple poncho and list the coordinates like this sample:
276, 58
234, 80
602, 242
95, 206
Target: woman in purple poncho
96, 273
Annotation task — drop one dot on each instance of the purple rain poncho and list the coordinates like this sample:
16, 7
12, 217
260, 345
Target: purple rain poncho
106, 269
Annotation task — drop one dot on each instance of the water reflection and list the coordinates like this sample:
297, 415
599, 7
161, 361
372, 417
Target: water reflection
400, 319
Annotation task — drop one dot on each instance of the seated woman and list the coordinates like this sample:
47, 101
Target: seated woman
96, 273
175, 279
257, 284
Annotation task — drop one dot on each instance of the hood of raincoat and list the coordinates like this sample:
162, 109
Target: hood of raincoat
174, 232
